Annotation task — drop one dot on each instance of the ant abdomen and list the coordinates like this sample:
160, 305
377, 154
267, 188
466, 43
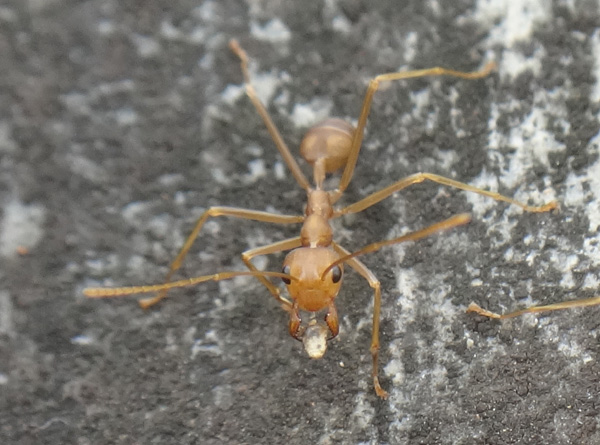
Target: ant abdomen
330, 140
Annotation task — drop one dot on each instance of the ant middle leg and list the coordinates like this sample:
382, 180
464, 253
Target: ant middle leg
417, 178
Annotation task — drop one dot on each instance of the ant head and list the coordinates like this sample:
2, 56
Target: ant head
310, 290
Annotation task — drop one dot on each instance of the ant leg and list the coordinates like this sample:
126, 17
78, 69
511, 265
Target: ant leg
417, 178
109, 292
264, 114
254, 215
358, 266
550, 307
364, 112
279, 246
362, 270
447, 224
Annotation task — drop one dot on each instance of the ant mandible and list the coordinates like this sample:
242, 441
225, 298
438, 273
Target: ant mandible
313, 270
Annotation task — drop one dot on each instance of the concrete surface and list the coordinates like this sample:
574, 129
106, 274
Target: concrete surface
120, 122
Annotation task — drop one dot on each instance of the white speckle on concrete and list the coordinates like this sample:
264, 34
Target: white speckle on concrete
232, 93
8, 15
170, 32
198, 35
592, 178
434, 6
3, 379
514, 63
77, 103
219, 176
223, 396
85, 168
100, 267
591, 282
591, 248
111, 88
480, 204
420, 100
574, 193
394, 369
566, 263
134, 212
21, 227
280, 171
510, 21
6, 314
410, 46
307, 115
171, 179
146, 47
595, 47
254, 150
261, 262
137, 264
209, 344
446, 159
206, 12
180, 198
533, 143
106, 27
265, 85
283, 99
82, 340
256, 169
125, 117
407, 281
363, 412
38, 6
7, 144
341, 24
274, 31
570, 348
212, 227
160, 226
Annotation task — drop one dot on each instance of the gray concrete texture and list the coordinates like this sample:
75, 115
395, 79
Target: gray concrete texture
122, 121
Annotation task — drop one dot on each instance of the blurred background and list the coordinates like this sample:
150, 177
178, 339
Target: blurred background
122, 121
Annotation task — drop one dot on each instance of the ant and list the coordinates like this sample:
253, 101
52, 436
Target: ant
313, 270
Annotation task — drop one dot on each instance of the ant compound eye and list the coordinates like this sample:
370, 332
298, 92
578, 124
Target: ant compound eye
336, 274
286, 270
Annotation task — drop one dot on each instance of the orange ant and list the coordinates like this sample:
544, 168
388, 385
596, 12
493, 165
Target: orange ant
313, 270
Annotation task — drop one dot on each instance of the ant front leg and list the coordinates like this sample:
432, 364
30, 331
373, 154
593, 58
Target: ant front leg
212, 212
363, 271
279, 246
295, 321
332, 320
